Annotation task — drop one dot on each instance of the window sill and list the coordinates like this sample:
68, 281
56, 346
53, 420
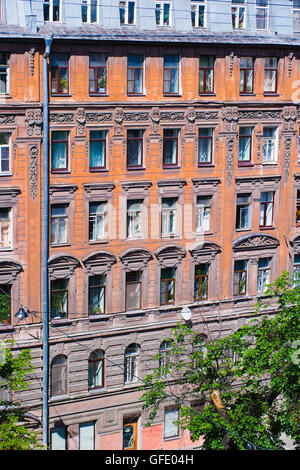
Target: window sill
171, 167
136, 94
203, 232
175, 95
98, 242
208, 165
247, 164
134, 313
60, 95
243, 229
8, 248
5, 95
248, 94
60, 172
269, 163
98, 95
267, 228
169, 235
271, 93
59, 398
8, 173
97, 390
54, 245
98, 170
135, 168
7, 328
171, 438
98, 317
207, 94
60, 321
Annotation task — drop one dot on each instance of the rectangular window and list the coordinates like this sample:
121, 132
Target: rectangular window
206, 74
205, 146
171, 428
59, 224
5, 228
269, 154
134, 218
203, 214
135, 74
167, 286
4, 73
168, 216
130, 436
89, 11
133, 290
296, 16
97, 211
238, 14
201, 282
240, 277
87, 436
266, 209
296, 273
263, 274
245, 145
51, 10
59, 74
246, 75
270, 75
96, 294
97, 150
59, 298
243, 221
97, 74
59, 151
262, 14
198, 14
59, 438
171, 74
163, 14
4, 152
134, 148
170, 148
5, 304
298, 208
127, 12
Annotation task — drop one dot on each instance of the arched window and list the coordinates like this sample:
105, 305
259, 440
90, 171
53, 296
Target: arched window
59, 375
96, 369
131, 363
164, 357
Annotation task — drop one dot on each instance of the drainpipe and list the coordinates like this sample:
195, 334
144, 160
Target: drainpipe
45, 241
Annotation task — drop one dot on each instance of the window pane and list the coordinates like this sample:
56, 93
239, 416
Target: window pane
170, 428
86, 436
58, 439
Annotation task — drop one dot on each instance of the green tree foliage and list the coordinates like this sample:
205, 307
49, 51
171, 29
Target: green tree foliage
14, 435
239, 390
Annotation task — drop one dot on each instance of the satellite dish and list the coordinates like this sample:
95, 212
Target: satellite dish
186, 313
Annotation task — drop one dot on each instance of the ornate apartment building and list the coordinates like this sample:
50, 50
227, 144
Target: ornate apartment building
173, 182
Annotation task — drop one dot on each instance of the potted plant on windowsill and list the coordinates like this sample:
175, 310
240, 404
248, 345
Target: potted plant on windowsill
102, 84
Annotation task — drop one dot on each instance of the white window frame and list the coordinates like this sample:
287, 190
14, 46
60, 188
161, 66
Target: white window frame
203, 213
9, 155
66, 226
126, 2
166, 214
267, 141
266, 9
174, 427
197, 5
161, 13
133, 218
260, 275
6, 68
131, 364
88, 3
10, 231
238, 6
95, 217
296, 271
297, 11
50, 2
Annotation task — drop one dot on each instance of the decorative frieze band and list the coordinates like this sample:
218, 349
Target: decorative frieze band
7, 119
62, 117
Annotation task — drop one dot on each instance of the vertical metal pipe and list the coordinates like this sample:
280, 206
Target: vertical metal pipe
45, 241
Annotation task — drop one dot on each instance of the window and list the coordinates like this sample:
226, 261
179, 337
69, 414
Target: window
243, 212
245, 145
134, 149
59, 151
201, 282
135, 74
296, 16
298, 208
5, 304
170, 148
97, 150
133, 290
4, 73
269, 154
59, 375
59, 298
96, 369
165, 358
198, 14
97, 74
206, 74
238, 13
127, 12
299, 147
163, 14
87, 436
51, 10
171, 428
59, 224
240, 277
59, 74
262, 14
130, 436
134, 218
296, 273
270, 76
203, 214
266, 209
4, 152
199, 350
59, 438
246, 75
5, 228
96, 294
168, 216
263, 274
171, 74
167, 286
205, 147
97, 211
89, 11
131, 363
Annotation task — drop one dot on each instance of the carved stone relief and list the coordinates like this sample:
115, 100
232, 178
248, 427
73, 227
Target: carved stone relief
34, 121
229, 159
155, 118
33, 170
81, 120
